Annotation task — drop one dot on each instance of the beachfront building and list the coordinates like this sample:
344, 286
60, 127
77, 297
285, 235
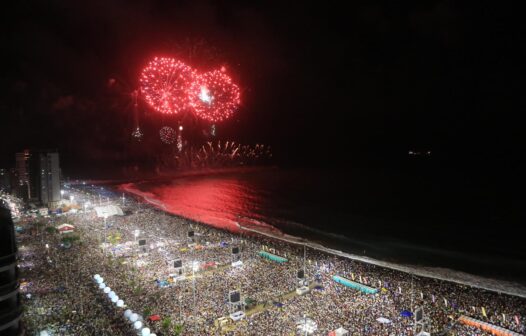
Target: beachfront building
5, 180
10, 308
23, 185
38, 174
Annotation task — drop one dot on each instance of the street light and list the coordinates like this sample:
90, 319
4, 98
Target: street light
195, 267
104, 229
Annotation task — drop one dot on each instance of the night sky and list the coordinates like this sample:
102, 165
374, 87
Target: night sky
324, 85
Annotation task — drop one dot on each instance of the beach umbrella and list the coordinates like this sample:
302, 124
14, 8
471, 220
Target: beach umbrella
127, 313
96, 276
145, 332
100, 280
111, 294
137, 325
107, 290
120, 303
102, 285
44, 333
115, 299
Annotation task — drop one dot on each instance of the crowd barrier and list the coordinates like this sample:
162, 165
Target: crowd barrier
488, 327
354, 285
272, 257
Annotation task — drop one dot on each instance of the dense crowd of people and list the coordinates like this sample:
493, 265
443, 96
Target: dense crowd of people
60, 294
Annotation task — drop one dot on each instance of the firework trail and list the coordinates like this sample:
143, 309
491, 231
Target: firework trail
220, 155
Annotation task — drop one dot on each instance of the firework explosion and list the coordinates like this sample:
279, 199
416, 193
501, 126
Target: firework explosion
170, 86
228, 154
167, 135
165, 83
137, 134
213, 96
179, 142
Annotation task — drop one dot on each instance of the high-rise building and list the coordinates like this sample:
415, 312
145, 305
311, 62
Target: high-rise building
5, 180
10, 306
49, 183
38, 174
23, 188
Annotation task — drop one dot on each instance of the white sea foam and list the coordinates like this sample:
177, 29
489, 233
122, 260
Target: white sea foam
445, 274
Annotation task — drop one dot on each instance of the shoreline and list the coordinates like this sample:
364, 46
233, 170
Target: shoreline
442, 274
172, 175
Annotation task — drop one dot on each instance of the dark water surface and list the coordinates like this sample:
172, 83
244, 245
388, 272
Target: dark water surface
448, 221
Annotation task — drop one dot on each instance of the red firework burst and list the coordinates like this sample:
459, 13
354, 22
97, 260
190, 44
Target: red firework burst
214, 96
164, 84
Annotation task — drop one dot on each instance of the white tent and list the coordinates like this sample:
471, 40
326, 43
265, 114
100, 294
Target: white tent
65, 228
108, 211
383, 320
341, 332
306, 325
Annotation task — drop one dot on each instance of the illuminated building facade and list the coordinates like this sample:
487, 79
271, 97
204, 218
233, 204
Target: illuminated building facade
10, 306
38, 173
23, 188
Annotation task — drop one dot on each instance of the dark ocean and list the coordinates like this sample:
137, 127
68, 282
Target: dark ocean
444, 221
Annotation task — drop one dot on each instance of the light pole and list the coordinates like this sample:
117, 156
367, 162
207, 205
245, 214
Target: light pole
304, 261
104, 229
195, 265
136, 234
180, 307
305, 315
411, 292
